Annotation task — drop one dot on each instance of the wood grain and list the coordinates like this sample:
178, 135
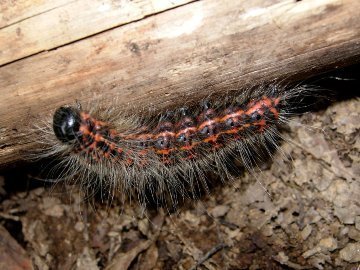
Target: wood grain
176, 56
54, 23
12, 12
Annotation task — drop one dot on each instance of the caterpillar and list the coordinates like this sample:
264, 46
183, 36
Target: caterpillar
167, 156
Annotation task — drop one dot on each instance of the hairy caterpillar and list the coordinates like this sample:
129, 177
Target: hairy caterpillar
164, 156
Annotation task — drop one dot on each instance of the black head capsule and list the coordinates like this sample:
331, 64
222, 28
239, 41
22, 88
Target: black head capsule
66, 124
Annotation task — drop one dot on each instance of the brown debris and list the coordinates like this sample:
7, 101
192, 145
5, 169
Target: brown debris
12, 255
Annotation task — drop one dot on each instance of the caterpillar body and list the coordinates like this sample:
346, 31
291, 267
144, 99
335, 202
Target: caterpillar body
168, 155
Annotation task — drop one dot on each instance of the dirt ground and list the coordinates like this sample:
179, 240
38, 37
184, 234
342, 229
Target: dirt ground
309, 218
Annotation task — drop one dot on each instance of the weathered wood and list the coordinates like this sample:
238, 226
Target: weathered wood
12, 12
51, 24
12, 255
179, 55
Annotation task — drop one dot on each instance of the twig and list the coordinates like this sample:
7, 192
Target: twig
209, 254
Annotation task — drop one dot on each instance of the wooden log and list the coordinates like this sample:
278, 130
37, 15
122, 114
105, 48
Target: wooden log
181, 54
12, 255
51, 24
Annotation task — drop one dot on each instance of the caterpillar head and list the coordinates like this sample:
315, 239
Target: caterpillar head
66, 124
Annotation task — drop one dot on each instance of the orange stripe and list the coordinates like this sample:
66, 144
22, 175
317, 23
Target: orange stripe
258, 106
163, 134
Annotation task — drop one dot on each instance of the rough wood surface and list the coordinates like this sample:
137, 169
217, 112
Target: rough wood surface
12, 255
168, 57
51, 24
